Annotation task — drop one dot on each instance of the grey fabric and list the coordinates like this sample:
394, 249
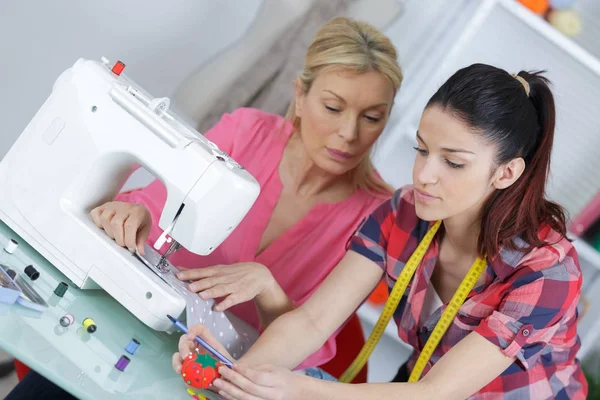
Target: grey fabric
236, 335
267, 84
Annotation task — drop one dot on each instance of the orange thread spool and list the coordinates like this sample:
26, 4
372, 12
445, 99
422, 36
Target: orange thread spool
536, 6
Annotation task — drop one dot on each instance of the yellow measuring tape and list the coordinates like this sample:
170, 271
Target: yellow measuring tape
394, 299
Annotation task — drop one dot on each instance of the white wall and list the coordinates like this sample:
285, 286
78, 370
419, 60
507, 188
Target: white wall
423, 27
161, 42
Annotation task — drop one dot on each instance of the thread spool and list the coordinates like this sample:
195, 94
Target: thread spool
537, 6
31, 272
61, 289
566, 21
11, 246
561, 4
122, 363
132, 346
89, 325
66, 320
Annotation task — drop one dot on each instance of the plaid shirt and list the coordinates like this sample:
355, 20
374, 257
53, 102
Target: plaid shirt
527, 305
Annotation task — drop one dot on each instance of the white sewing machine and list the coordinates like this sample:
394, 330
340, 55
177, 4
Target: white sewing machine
77, 152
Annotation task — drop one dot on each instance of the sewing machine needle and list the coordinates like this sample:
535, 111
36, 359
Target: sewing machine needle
162, 262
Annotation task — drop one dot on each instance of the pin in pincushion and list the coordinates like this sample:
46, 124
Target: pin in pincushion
200, 370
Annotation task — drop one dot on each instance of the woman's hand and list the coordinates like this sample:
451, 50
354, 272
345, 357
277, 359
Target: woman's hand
237, 283
187, 345
128, 224
257, 383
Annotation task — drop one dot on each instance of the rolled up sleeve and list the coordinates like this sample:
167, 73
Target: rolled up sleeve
371, 238
537, 312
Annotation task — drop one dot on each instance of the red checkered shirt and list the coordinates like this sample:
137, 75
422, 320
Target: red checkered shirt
527, 305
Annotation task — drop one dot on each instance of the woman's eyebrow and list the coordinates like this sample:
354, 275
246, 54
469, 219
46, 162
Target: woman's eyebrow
342, 99
445, 148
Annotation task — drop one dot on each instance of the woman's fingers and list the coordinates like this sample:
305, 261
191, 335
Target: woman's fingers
176, 362
186, 346
106, 219
130, 231
218, 291
209, 283
239, 385
233, 391
204, 333
128, 224
230, 301
197, 273
118, 226
204, 284
226, 395
95, 214
260, 375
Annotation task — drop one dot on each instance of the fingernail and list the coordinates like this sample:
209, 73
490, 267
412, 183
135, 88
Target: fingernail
202, 295
180, 275
217, 383
217, 308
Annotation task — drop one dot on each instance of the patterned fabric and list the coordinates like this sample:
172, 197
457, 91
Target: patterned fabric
232, 332
527, 305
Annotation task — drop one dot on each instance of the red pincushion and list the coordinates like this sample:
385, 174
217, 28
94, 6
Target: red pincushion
200, 370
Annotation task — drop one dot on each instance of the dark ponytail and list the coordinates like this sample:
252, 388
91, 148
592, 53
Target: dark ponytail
520, 124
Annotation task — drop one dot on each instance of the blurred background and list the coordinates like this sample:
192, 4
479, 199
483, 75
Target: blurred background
212, 57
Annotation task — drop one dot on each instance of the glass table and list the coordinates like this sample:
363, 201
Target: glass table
82, 363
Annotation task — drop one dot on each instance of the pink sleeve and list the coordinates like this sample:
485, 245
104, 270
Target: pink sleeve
154, 196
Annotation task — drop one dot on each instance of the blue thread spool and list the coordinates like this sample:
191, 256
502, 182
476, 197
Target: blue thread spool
561, 4
132, 346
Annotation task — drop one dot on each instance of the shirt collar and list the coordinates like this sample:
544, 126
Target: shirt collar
507, 260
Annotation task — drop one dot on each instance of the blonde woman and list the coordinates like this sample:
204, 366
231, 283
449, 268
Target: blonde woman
316, 177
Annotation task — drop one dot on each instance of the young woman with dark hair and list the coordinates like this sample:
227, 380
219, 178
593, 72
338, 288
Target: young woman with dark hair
477, 208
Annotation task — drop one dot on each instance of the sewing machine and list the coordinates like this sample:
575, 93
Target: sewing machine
77, 152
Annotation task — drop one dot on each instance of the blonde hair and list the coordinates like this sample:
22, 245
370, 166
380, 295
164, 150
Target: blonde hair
359, 47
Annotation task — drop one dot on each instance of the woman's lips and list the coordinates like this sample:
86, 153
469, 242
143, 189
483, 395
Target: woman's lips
338, 154
424, 197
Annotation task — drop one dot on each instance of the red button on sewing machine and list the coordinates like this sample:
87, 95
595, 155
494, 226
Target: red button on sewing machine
118, 68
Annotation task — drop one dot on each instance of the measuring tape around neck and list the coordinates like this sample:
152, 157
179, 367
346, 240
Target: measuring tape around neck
394, 299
